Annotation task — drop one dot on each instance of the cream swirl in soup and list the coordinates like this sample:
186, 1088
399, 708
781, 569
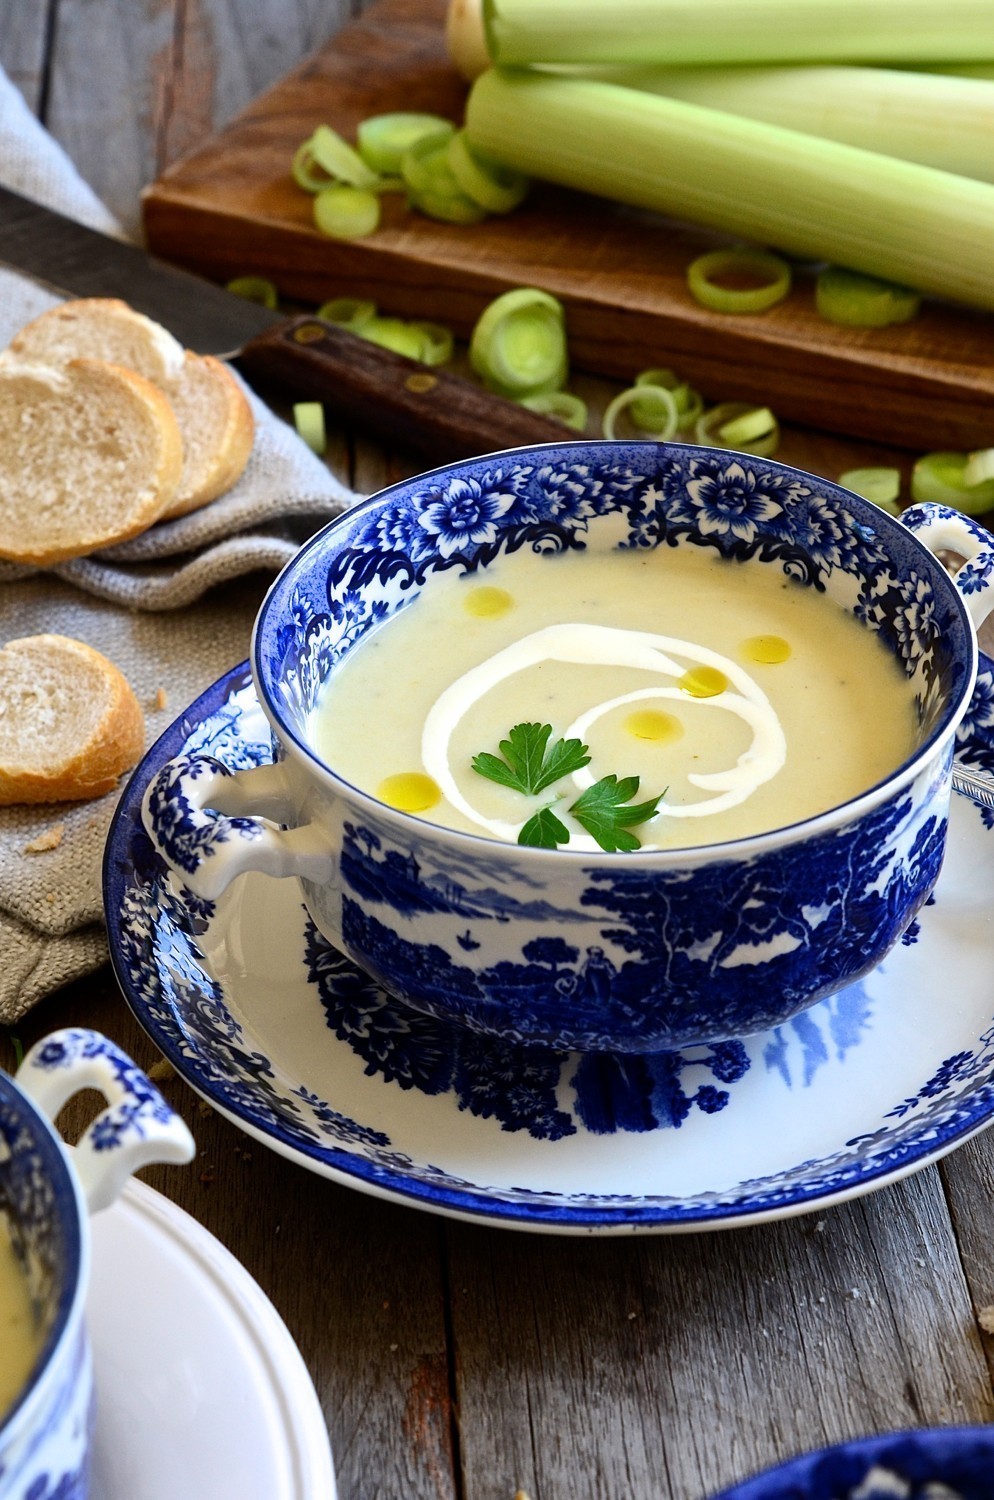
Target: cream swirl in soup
744, 700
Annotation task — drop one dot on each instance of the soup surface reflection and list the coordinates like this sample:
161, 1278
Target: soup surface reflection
19, 1337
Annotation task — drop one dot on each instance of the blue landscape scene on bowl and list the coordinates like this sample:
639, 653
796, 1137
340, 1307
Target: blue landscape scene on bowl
811, 912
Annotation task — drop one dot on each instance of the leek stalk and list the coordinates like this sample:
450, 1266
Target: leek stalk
933, 118
738, 31
814, 198
954, 70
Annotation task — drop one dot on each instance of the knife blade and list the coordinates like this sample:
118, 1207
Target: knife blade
397, 400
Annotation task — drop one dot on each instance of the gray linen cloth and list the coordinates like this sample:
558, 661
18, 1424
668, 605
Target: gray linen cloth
145, 604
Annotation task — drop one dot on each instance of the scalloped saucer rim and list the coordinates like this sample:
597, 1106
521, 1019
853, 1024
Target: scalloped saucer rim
930, 1120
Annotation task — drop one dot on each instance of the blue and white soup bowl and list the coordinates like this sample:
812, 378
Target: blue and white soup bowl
46, 1195
625, 952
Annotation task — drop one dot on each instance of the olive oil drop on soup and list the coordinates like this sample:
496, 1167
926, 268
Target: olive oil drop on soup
747, 700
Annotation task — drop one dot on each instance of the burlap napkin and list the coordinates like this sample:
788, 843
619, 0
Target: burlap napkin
145, 604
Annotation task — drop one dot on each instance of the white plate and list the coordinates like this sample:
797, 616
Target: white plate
201, 1391
300, 1048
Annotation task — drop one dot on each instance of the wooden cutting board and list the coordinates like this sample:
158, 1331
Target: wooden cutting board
231, 208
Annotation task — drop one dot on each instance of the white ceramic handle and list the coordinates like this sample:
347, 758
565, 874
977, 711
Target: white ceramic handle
205, 822
138, 1126
946, 530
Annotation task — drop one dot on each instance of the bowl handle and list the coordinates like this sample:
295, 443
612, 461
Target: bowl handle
946, 530
210, 824
136, 1128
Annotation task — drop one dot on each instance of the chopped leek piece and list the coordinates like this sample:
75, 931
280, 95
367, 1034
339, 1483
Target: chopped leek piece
346, 213
494, 187
751, 425
432, 186
881, 485
395, 334
437, 342
806, 196
449, 208
715, 424
763, 280
383, 139
940, 477
979, 467
662, 406
304, 171
736, 31
255, 289
325, 159
308, 418
418, 164
342, 163
562, 406
518, 346
689, 403
860, 301
347, 312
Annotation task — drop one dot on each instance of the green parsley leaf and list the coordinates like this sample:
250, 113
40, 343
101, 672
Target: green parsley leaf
526, 767
605, 810
544, 831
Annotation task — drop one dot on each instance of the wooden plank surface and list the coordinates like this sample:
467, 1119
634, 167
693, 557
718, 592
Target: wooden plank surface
230, 207
24, 33
458, 1362
697, 1360
131, 84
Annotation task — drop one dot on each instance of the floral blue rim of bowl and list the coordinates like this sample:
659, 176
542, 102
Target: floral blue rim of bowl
467, 514
160, 934
913, 1465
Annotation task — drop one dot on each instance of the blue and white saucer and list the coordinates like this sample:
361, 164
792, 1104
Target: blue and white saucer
937, 1463
303, 1051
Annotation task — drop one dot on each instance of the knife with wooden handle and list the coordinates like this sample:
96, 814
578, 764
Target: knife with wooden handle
397, 400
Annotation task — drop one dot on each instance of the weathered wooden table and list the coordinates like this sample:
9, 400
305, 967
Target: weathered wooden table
456, 1360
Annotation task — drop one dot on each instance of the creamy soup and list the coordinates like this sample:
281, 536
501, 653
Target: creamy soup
20, 1339
744, 700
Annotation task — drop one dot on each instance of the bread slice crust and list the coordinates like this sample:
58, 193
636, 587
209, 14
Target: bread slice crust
99, 727
100, 328
218, 431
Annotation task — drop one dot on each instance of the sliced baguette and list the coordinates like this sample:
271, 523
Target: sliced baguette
100, 328
69, 722
217, 428
90, 454
214, 417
